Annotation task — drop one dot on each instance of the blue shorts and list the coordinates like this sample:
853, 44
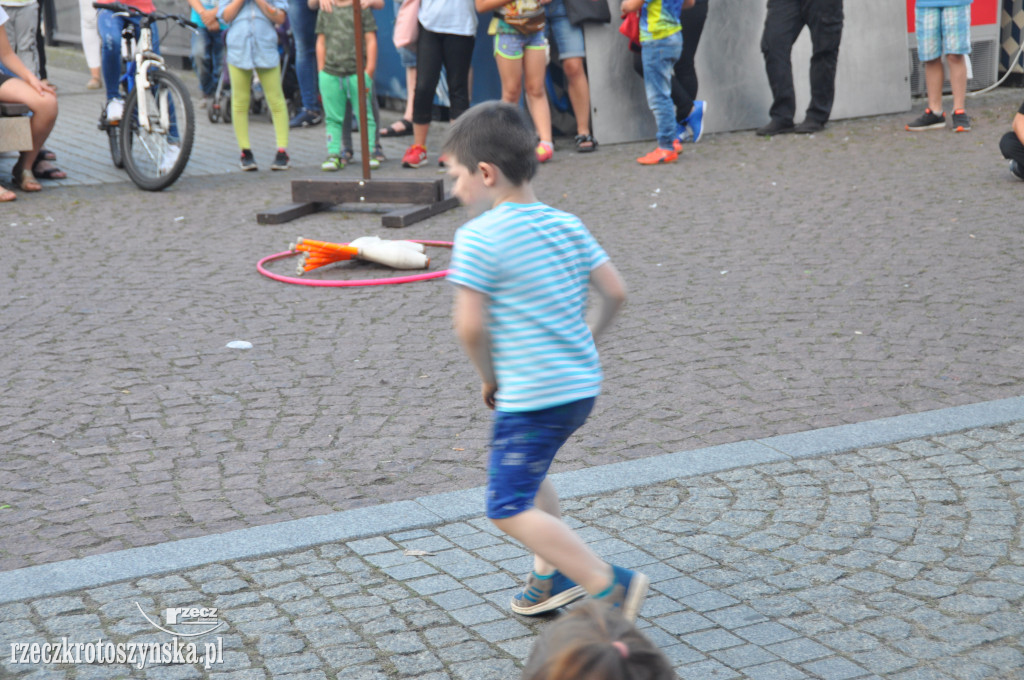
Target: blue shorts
407, 56
942, 30
513, 45
567, 38
523, 446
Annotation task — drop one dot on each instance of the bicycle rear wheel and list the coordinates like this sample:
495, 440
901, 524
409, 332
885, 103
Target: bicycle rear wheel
155, 157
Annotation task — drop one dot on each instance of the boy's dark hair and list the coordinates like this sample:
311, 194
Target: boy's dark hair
495, 132
595, 642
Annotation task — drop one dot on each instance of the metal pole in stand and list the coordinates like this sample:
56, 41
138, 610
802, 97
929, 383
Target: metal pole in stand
357, 12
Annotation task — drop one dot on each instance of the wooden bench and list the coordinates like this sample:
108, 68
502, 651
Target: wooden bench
15, 131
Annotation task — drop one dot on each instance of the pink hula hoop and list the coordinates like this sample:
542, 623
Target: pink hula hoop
353, 283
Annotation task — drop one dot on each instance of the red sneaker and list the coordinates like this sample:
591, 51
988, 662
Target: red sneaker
415, 156
657, 156
677, 145
544, 152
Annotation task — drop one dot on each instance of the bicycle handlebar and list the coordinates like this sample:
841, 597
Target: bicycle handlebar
134, 11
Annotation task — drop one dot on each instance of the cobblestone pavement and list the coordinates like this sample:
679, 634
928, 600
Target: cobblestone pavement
777, 286
901, 562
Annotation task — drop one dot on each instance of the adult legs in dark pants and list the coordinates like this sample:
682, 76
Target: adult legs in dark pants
302, 20
434, 50
782, 26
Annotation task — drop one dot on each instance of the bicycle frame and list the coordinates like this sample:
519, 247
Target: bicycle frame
138, 63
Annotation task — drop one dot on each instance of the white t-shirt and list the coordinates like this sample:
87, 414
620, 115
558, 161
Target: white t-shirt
448, 16
3, 16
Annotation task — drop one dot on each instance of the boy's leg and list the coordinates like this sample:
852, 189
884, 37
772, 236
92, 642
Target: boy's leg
522, 449
659, 56
333, 98
957, 80
956, 42
933, 78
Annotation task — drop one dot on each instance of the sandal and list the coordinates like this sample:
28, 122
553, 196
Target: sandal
51, 172
404, 130
586, 143
26, 181
46, 155
6, 195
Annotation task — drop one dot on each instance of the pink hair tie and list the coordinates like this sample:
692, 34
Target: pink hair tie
623, 649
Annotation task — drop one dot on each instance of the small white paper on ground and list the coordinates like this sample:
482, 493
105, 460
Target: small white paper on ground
239, 344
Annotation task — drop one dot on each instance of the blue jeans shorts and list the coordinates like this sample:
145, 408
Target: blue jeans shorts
407, 56
513, 45
942, 30
567, 38
522, 448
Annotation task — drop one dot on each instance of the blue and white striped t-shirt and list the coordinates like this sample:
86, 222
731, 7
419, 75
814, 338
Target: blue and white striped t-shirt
534, 264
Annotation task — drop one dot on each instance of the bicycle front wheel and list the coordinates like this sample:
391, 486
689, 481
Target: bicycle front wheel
114, 139
156, 146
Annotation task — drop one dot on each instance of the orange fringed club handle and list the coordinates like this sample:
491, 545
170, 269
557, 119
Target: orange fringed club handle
320, 253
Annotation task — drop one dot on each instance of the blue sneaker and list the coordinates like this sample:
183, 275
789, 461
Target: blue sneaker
627, 592
696, 120
545, 593
306, 118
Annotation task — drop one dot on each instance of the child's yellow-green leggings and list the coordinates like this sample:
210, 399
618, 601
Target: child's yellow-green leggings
241, 88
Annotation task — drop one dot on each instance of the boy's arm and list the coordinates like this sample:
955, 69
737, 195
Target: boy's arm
370, 56
321, 51
612, 292
628, 6
1018, 126
470, 317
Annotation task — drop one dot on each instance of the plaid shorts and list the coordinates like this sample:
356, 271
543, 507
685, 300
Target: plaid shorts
943, 30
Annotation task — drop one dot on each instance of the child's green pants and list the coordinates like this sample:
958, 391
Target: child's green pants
337, 93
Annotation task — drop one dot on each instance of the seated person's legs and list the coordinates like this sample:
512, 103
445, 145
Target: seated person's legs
44, 115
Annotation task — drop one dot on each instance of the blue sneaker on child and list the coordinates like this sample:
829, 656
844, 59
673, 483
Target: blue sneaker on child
696, 120
627, 592
545, 593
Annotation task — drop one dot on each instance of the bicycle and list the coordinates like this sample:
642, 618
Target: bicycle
153, 139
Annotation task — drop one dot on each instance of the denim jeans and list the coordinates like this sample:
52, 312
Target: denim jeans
109, 27
207, 58
303, 24
659, 57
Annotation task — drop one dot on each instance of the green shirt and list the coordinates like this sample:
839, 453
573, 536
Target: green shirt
338, 28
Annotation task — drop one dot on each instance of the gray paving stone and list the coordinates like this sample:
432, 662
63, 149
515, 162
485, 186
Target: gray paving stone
707, 670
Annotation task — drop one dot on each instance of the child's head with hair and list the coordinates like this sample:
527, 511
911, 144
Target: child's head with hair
595, 642
497, 133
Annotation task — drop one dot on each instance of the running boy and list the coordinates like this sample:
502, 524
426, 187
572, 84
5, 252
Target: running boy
336, 69
661, 44
943, 26
522, 271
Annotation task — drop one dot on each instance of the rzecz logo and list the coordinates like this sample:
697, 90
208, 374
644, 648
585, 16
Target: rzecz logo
196, 620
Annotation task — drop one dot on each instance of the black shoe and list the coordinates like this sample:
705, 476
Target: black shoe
248, 163
809, 127
776, 126
927, 121
961, 121
281, 161
1017, 169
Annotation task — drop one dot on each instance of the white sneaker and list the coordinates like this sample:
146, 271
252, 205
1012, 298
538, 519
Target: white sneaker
115, 110
170, 158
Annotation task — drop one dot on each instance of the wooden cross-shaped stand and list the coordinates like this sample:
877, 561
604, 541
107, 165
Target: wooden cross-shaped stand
311, 195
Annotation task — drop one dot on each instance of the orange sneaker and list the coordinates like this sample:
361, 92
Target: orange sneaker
677, 145
414, 157
544, 152
657, 156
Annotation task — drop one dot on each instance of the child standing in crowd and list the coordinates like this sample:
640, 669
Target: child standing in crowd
596, 643
943, 26
338, 78
522, 271
252, 46
520, 49
661, 43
